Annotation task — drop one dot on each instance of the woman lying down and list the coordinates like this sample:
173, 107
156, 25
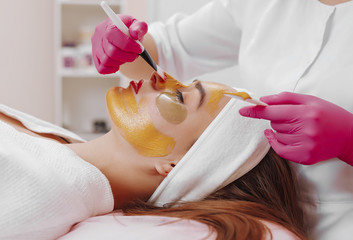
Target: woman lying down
178, 158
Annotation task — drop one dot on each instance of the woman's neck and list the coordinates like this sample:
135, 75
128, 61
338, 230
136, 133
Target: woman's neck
130, 175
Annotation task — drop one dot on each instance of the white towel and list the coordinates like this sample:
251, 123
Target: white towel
229, 148
45, 187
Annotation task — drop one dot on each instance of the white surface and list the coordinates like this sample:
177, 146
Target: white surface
113, 226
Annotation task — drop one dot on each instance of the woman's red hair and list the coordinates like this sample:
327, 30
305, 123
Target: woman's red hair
236, 212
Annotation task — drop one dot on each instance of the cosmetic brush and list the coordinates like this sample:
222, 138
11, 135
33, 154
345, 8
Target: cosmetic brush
122, 27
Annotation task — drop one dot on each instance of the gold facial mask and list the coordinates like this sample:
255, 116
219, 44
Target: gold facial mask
216, 93
169, 83
170, 108
136, 124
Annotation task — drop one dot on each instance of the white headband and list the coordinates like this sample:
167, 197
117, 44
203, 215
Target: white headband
230, 147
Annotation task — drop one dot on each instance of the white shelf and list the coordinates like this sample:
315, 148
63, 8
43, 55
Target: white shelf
79, 89
82, 73
90, 2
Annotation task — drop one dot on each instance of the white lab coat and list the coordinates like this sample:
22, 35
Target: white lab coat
301, 46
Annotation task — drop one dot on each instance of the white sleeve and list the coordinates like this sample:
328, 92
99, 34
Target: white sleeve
205, 41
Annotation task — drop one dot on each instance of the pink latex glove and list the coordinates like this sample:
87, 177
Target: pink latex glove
307, 129
111, 47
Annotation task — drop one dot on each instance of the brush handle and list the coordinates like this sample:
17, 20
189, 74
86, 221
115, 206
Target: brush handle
145, 55
122, 27
250, 100
117, 21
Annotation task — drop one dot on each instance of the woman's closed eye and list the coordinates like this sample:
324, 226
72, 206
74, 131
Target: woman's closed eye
179, 96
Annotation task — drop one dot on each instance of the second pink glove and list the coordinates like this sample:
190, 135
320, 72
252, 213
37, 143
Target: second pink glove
112, 48
307, 129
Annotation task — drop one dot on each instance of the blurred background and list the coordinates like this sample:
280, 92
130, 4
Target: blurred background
46, 66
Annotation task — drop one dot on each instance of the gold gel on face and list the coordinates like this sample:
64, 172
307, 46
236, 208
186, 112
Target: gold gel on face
136, 124
170, 108
169, 83
216, 93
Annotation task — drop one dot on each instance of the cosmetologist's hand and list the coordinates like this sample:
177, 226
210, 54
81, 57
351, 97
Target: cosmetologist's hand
308, 129
111, 47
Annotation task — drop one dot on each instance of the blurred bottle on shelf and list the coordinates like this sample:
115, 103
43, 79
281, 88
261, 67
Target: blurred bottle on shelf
78, 55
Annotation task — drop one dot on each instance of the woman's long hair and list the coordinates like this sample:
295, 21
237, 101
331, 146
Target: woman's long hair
267, 193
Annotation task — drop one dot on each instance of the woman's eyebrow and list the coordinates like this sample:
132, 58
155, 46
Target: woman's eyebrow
199, 87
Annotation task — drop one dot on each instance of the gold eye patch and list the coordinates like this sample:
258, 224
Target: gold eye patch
170, 108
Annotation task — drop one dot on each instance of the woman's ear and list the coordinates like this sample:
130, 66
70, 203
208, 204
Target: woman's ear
164, 166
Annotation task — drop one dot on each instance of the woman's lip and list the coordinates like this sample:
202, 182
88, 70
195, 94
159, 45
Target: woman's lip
136, 86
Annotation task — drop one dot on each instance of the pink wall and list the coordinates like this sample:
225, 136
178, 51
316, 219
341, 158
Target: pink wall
26, 62
27, 54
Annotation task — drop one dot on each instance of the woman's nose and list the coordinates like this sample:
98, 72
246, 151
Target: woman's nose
157, 81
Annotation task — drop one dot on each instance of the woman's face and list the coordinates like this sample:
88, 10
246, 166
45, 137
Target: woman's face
164, 118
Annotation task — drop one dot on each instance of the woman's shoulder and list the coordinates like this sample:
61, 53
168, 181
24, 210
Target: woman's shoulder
279, 233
